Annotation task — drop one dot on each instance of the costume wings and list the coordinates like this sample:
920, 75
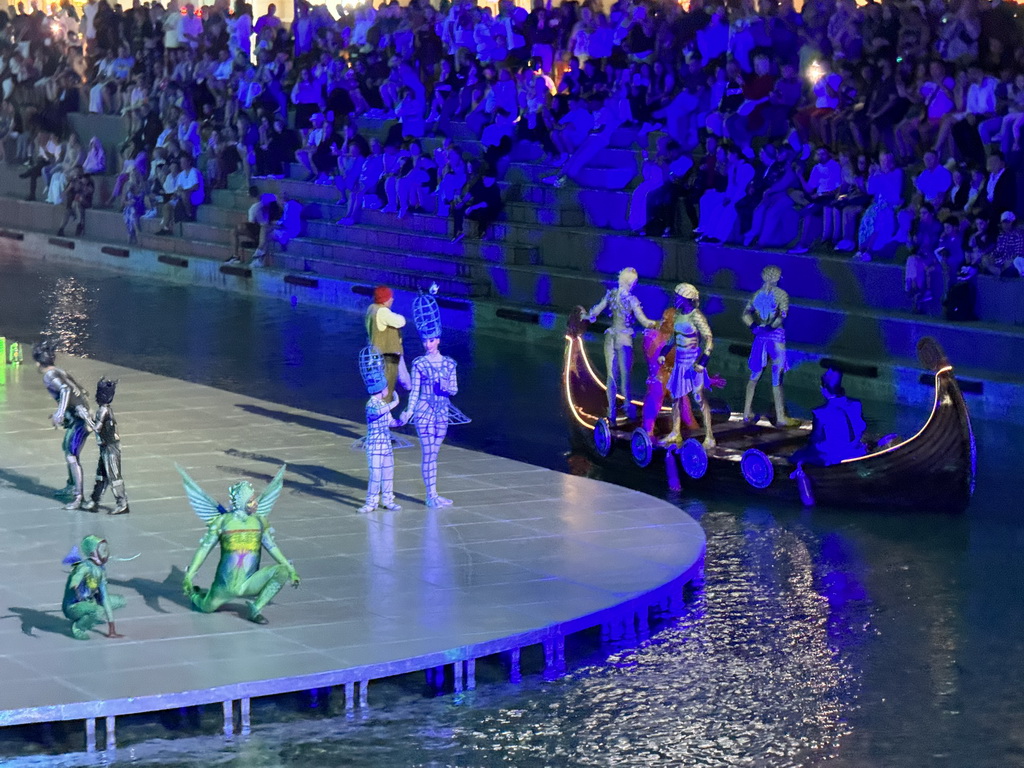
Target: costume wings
207, 508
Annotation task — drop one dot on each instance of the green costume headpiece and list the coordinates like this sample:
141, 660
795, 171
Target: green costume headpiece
240, 493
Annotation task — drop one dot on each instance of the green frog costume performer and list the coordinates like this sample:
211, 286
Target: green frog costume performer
242, 532
72, 413
86, 601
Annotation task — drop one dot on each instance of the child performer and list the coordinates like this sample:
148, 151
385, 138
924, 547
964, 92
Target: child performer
108, 469
379, 453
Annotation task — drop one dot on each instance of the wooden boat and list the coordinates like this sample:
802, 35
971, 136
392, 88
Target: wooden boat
933, 470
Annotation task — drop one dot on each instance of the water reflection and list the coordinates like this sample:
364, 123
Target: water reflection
69, 320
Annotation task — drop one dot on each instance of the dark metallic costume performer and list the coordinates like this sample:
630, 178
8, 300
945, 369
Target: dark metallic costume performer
242, 532
86, 601
765, 315
380, 455
72, 413
693, 342
623, 306
434, 381
108, 469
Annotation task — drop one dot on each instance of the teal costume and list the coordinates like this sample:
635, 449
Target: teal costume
242, 532
86, 601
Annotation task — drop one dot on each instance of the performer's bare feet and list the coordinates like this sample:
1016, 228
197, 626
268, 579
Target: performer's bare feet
439, 501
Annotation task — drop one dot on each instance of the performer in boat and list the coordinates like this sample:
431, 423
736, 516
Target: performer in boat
380, 455
839, 426
72, 413
693, 342
86, 601
434, 381
384, 331
765, 315
623, 307
242, 532
108, 469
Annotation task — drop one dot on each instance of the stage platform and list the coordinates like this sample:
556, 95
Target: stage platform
525, 557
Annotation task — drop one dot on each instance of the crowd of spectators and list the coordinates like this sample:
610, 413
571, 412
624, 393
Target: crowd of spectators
886, 130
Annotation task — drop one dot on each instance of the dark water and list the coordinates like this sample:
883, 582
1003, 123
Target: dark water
825, 637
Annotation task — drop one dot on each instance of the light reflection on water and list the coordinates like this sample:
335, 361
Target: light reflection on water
856, 640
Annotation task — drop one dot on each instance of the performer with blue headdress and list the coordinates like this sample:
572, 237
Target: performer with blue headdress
434, 381
765, 315
86, 601
380, 455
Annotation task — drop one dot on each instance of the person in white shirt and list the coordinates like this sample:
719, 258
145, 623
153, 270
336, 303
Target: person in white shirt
964, 127
821, 187
169, 196
190, 31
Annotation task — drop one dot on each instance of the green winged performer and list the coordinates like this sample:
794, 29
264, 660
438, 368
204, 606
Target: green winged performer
242, 532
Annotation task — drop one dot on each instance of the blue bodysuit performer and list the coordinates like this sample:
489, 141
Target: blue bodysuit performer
693, 342
72, 413
434, 381
838, 426
380, 456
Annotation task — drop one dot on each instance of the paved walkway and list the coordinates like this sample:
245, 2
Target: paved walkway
525, 555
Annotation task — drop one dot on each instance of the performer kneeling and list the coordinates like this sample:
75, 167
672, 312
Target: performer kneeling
693, 342
86, 602
838, 429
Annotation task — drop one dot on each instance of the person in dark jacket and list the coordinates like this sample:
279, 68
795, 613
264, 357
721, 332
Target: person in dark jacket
838, 429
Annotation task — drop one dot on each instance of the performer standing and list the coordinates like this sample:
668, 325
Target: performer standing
765, 315
242, 532
72, 413
693, 342
380, 454
434, 381
86, 602
623, 306
384, 331
108, 469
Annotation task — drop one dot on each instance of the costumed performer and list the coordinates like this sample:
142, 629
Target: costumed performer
624, 308
108, 468
380, 456
72, 413
384, 331
693, 342
765, 315
242, 532
434, 381
86, 600
838, 429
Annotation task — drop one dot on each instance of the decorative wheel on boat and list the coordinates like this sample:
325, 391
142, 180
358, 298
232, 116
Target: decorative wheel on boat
603, 437
693, 458
641, 447
757, 468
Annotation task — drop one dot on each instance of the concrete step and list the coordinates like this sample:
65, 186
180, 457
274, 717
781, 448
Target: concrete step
218, 216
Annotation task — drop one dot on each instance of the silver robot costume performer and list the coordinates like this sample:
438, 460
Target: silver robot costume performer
380, 456
434, 381
623, 306
765, 315
108, 469
72, 413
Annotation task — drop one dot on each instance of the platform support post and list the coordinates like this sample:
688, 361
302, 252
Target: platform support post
229, 717
111, 733
554, 656
350, 697
470, 674
246, 703
364, 687
515, 673
90, 734
643, 622
457, 676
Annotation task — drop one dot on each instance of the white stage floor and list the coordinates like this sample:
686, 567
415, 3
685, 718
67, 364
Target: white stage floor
525, 556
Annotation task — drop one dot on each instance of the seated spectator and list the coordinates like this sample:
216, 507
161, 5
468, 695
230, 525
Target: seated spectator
95, 159
133, 204
1009, 247
962, 295
572, 129
1000, 189
820, 189
78, 199
718, 216
317, 153
918, 276
775, 209
934, 181
260, 220
878, 224
482, 203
